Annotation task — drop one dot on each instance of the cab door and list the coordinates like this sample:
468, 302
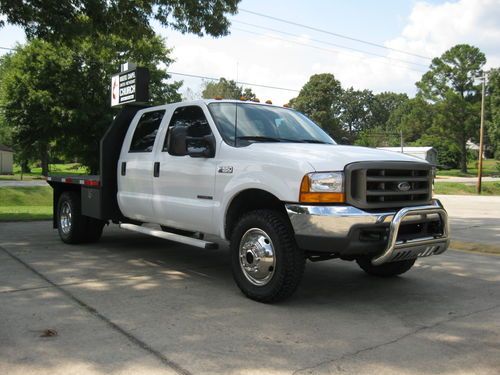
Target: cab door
184, 186
136, 164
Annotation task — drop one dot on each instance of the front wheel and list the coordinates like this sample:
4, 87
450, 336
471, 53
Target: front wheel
385, 270
266, 262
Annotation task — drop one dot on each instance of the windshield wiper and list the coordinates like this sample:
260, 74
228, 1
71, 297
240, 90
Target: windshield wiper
258, 138
314, 141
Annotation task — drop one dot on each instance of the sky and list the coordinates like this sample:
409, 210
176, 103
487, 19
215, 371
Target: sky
268, 52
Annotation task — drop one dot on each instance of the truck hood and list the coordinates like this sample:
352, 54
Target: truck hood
324, 157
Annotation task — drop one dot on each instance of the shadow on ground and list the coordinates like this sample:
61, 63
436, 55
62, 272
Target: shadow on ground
181, 303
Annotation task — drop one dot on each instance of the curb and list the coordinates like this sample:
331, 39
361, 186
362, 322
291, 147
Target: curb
475, 247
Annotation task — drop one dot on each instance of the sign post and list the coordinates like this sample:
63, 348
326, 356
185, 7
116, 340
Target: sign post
130, 86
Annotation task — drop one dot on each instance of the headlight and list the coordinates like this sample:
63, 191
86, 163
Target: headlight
322, 187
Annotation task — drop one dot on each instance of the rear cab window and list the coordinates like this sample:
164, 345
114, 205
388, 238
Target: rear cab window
145, 132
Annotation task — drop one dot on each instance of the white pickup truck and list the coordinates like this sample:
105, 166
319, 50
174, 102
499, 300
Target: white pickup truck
263, 177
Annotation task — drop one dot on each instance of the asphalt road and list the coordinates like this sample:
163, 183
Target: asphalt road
139, 305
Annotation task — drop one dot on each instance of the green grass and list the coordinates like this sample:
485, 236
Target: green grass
25, 203
458, 188
491, 167
36, 172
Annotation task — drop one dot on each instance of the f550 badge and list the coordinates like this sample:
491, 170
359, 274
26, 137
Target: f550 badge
225, 169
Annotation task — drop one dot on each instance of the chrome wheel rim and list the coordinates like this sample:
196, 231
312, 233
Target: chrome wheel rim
65, 218
257, 256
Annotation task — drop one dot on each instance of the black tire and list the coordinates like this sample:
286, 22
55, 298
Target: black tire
94, 230
81, 229
385, 270
71, 225
286, 274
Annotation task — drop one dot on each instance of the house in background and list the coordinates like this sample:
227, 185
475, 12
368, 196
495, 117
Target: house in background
475, 148
426, 153
6, 159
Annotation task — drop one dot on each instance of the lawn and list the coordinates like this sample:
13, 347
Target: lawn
491, 167
36, 172
25, 203
457, 188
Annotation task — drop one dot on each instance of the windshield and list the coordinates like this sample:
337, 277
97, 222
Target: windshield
261, 123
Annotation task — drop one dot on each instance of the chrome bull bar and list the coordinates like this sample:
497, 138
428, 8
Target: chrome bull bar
420, 247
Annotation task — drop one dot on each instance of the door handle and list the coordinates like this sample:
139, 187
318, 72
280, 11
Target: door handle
156, 169
124, 168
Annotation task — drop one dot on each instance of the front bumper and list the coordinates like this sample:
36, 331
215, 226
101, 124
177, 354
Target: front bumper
386, 236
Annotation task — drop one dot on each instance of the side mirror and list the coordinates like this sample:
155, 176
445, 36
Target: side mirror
177, 141
201, 147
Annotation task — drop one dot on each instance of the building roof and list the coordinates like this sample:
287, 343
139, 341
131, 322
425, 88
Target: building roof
5, 148
407, 149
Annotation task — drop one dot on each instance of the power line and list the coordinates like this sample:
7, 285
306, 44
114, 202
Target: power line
333, 34
238, 82
331, 44
215, 79
321, 48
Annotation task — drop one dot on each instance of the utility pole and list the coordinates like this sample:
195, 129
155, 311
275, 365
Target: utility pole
481, 136
401, 139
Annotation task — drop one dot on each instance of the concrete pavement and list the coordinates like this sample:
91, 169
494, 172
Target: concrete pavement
5, 183
473, 219
465, 180
134, 304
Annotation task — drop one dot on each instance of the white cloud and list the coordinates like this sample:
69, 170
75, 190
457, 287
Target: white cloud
433, 29
429, 30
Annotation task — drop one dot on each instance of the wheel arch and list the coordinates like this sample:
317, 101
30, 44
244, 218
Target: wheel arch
249, 200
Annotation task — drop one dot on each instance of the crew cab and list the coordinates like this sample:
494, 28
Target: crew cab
264, 178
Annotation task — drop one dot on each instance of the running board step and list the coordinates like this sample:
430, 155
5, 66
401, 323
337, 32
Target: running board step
171, 236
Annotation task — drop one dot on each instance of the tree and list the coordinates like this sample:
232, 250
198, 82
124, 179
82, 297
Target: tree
413, 118
387, 103
29, 106
358, 111
378, 130
320, 99
5, 130
226, 89
56, 98
66, 19
451, 83
248, 94
493, 123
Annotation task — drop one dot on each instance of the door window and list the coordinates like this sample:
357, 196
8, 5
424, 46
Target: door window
145, 132
191, 117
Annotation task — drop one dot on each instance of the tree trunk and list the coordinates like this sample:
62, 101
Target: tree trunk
44, 160
463, 155
25, 168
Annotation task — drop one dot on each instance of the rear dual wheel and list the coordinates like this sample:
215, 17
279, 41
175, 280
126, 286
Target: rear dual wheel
72, 226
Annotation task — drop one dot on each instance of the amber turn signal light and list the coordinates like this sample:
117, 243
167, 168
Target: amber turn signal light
306, 196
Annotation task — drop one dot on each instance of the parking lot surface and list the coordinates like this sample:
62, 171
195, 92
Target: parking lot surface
132, 304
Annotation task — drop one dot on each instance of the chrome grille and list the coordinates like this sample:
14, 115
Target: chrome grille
388, 184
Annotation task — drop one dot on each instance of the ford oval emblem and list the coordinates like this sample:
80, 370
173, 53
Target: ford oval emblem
404, 186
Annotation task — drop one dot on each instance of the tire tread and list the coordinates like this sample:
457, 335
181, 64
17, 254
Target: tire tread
293, 257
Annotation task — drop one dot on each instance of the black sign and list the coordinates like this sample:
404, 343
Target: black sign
131, 86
